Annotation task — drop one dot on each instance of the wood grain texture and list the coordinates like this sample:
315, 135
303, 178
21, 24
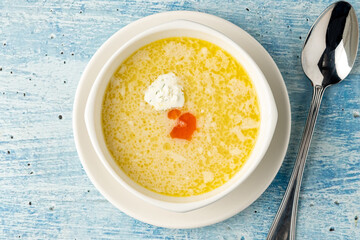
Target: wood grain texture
45, 193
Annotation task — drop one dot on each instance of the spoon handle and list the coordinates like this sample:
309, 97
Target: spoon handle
284, 224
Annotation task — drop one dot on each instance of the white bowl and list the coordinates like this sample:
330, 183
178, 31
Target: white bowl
180, 28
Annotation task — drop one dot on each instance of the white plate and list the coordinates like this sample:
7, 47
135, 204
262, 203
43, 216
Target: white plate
244, 194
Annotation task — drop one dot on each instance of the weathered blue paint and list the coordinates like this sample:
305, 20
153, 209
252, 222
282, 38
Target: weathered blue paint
44, 192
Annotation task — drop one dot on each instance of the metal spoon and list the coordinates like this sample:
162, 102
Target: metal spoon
327, 58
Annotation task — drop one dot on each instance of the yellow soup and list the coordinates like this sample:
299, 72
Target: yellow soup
218, 92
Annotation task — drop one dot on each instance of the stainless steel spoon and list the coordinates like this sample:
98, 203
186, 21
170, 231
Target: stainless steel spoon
327, 58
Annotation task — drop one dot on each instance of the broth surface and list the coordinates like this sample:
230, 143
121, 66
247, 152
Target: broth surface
218, 92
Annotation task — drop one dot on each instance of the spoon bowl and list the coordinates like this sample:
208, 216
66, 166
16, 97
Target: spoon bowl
330, 48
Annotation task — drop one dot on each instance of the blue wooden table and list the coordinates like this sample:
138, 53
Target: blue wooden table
44, 191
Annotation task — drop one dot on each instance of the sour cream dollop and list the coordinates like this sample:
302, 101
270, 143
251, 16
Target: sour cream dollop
165, 93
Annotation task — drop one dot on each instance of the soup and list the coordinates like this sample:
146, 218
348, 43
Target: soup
218, 94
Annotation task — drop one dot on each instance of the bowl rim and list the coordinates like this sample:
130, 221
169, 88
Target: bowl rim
89, 121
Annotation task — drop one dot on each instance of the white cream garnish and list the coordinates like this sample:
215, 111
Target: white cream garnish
165, 93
